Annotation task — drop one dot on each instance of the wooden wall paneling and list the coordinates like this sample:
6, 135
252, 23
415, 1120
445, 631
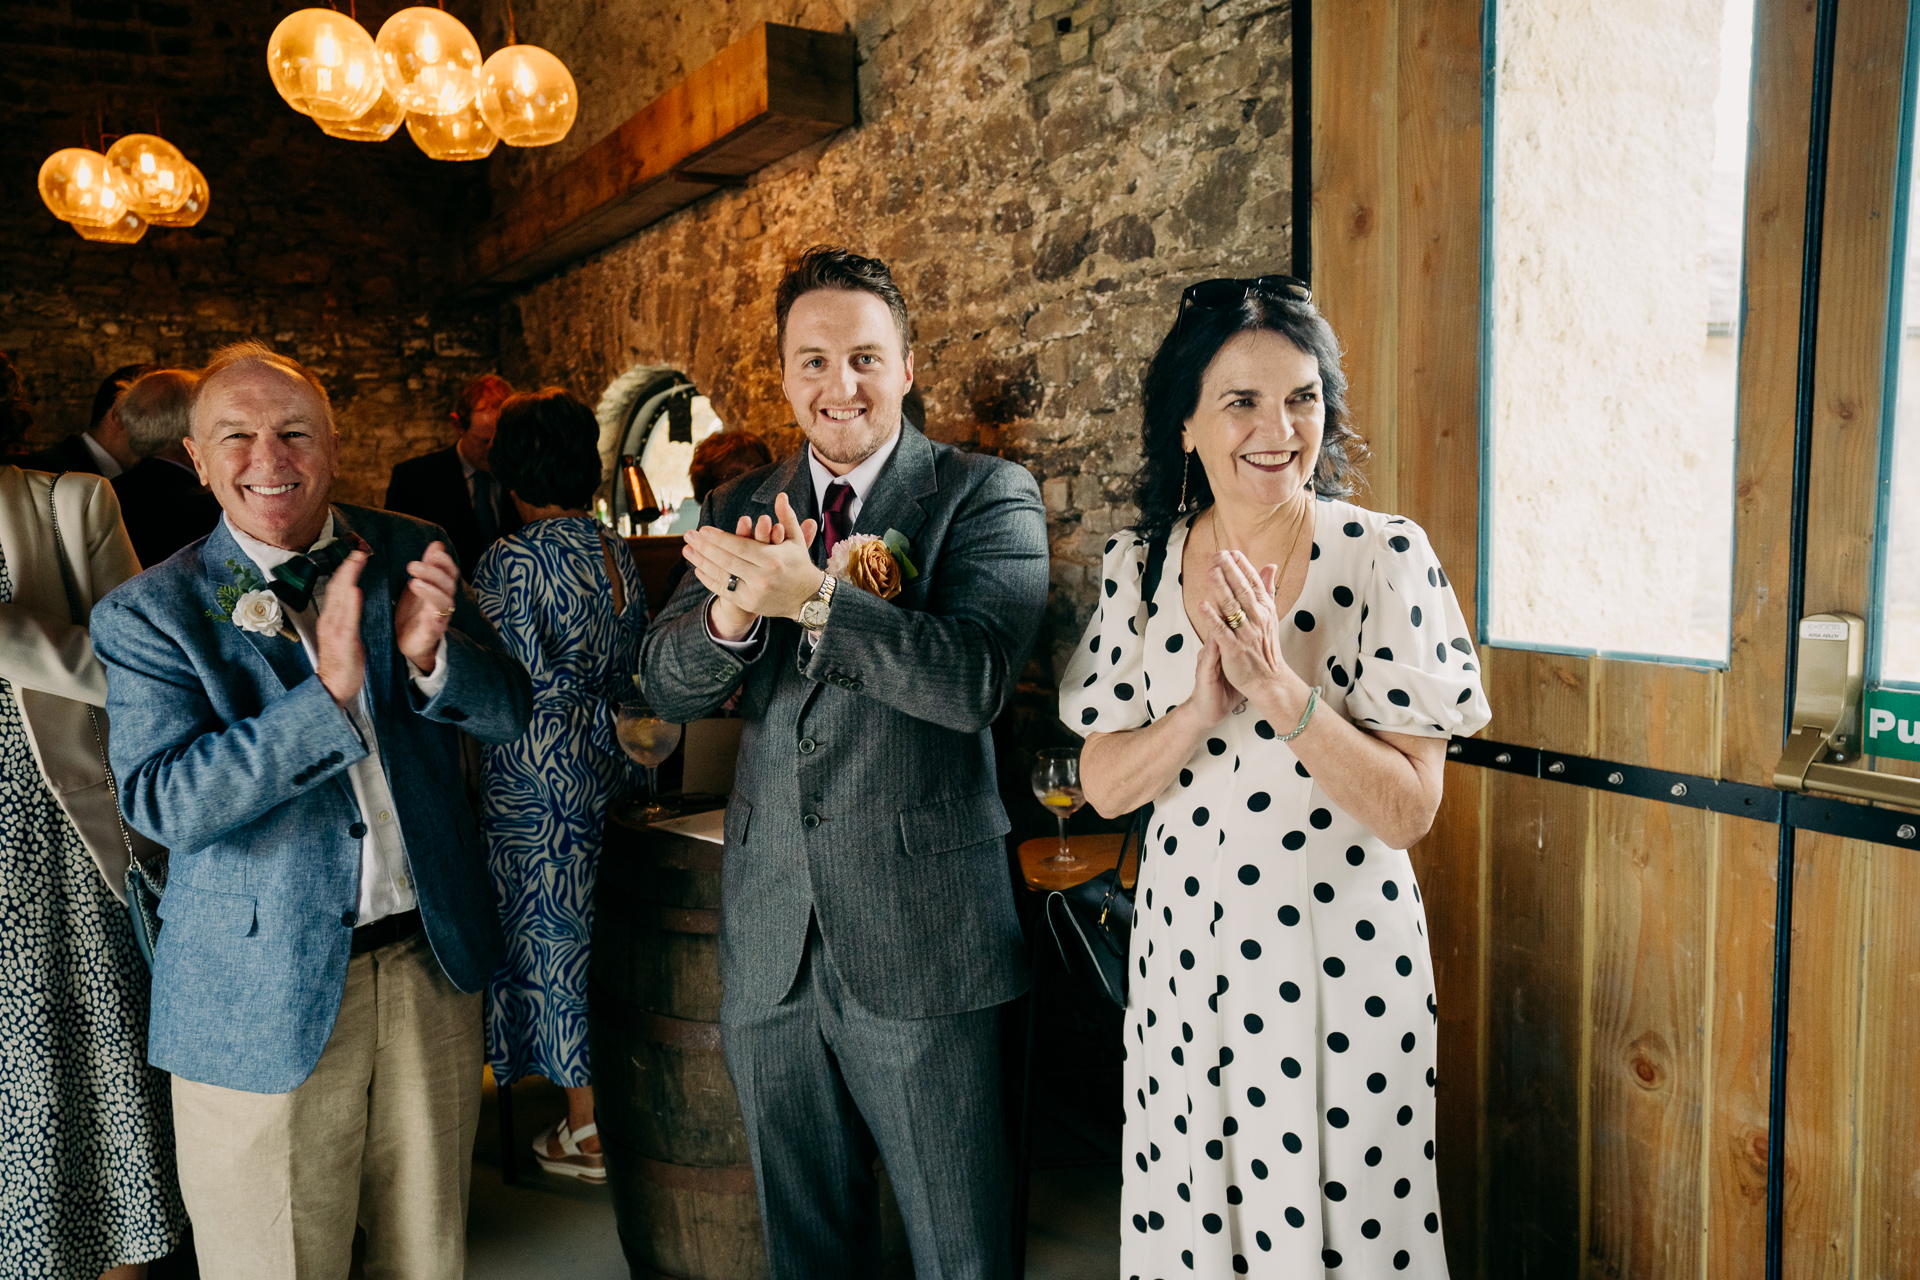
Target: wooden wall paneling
1650, 981
1537, 866
1448, 866
1740, 1071
1437, 449
1829, 896
1888, 1167
1355, 212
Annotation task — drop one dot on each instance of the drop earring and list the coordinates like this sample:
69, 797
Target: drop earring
1186, 465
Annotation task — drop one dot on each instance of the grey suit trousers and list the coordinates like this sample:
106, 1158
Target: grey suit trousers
811, 1069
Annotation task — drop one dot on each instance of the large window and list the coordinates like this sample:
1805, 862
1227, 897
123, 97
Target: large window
1616, 164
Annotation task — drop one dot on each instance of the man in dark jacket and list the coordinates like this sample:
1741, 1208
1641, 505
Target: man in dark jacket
162, 500
867, 928
454, 487
100, 450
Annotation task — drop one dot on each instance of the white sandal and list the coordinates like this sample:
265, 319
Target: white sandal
588, 1166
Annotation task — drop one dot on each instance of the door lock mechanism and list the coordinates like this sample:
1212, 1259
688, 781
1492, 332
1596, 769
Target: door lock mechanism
1825, 728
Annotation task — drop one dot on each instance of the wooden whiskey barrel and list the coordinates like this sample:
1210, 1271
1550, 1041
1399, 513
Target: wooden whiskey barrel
670, 1124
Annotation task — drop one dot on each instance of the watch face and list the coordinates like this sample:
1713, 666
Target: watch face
813, 614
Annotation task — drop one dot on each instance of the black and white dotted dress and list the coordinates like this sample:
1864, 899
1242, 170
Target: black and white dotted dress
1281, 1021
86, 1126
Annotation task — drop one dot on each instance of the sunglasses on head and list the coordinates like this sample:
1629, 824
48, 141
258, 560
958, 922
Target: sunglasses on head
1227, 293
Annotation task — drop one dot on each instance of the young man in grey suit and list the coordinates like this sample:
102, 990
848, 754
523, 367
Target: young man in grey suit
868, 934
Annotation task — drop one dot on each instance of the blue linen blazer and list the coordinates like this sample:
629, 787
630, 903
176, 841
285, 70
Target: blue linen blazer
231, 752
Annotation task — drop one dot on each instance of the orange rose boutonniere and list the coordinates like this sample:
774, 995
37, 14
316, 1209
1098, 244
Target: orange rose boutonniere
873, 564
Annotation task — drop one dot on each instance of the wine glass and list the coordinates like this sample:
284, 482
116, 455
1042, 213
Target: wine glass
643, 735
1056, 783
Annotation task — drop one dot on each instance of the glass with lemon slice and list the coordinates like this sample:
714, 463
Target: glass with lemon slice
1056, 784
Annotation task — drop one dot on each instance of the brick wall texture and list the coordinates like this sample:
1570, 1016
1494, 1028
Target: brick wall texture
328, 250
1043, 177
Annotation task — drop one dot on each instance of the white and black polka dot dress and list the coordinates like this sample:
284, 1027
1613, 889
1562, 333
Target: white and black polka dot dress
1281, 1022
86, 1126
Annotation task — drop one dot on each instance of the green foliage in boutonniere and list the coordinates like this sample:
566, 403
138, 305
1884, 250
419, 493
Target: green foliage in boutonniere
898, 546
244, 580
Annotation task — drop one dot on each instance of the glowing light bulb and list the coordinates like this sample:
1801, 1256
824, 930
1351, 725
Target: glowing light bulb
80, 186
154, 171
193, 208
527, 96
461, 135
377, 125
431, 62
324, 64
125, 229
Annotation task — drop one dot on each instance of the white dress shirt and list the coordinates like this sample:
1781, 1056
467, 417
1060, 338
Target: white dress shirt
386, 878
109, 465
861, 479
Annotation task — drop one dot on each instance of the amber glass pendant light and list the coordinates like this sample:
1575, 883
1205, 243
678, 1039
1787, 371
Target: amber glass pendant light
324, 64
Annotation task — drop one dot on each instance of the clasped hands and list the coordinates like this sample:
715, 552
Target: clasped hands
763, 569
1243, 663
419, 620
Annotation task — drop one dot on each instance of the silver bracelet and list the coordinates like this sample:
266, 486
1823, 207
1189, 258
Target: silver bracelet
1313, 701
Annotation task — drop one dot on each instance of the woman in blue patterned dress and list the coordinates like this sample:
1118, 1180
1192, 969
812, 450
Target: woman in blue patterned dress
567, 601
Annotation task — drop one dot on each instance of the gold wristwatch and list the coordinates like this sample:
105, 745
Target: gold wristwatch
813, 614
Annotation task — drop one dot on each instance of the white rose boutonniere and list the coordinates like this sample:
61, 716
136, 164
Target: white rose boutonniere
259, 611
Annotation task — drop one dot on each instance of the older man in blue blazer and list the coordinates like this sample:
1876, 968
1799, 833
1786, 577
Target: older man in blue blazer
286, 696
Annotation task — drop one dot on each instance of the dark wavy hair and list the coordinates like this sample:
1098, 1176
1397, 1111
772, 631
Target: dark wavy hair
827, 266
724, 455
546, 449
1171, 391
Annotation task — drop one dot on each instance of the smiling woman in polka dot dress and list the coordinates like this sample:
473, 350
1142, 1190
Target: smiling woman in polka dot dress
1284, 703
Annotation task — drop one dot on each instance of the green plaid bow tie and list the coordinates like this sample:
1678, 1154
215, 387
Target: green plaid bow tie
295, 579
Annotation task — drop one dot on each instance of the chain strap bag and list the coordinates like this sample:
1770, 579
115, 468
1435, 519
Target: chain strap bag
144, 884
1092, 923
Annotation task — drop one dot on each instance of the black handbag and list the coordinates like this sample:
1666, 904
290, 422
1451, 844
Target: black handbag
1092, 923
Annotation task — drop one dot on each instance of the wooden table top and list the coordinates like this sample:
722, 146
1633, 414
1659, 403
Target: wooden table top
1092, 855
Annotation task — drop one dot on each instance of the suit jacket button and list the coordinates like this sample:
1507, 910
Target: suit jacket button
855, 685
357, 830
335, 758
811, 821
454, 714
806, 746
300, 779
347, 918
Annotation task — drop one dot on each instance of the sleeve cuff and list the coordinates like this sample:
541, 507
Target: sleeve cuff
746, 645
431, 685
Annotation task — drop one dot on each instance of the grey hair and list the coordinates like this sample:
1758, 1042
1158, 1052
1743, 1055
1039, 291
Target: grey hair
157, 409
253, 351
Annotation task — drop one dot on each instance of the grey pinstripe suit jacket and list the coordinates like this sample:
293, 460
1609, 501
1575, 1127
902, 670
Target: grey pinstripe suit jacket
865, 793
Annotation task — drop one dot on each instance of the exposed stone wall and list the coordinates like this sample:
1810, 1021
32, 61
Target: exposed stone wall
329, 250
1043, 177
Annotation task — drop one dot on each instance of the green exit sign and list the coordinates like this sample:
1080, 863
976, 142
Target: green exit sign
1893, 724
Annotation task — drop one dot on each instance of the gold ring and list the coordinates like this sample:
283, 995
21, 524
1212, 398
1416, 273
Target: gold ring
1235, 620
443, 613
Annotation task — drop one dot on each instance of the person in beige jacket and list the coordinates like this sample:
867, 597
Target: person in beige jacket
88, 1178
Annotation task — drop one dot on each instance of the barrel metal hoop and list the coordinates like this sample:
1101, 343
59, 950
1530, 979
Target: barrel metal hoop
712, 1180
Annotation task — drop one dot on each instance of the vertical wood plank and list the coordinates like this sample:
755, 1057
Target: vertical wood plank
1537, 851
1769, 335
1437, 408
1856, 262
1736, 1171
1829, 895
1447, 864
1889, 1163
1650, 980
1355, 214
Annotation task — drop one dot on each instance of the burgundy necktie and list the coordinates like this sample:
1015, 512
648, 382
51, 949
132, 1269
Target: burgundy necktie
836, 523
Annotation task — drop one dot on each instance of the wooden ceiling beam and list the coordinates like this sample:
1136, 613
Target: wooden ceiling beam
762, 98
